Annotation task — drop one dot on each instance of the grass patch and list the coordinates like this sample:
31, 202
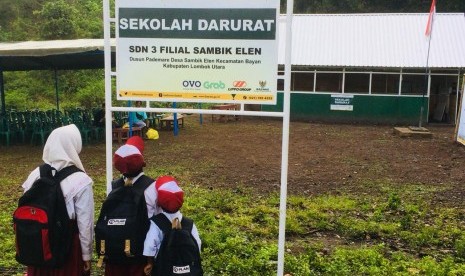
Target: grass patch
387, 234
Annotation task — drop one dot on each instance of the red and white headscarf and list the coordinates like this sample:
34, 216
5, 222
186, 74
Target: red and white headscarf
128, 159
170, 195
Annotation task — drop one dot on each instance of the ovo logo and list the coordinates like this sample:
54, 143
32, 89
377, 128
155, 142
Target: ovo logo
191, 83
239, 84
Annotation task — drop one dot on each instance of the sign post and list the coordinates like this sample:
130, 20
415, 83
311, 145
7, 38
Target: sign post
199, 51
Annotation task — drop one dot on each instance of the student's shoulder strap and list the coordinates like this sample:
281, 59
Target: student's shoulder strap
117, 183
139, 186
162, 222
45, 170
65, 172
143, 183
187, 224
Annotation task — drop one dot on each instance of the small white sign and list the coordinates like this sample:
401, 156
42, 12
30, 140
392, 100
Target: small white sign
342, 102
181, 269
116, 222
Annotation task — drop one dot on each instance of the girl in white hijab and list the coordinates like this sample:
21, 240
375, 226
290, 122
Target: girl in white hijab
62, 150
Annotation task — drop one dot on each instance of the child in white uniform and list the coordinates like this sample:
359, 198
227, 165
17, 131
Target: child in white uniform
170, 199
129, 160
60, 151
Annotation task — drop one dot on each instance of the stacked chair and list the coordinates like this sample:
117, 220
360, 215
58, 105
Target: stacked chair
34, 126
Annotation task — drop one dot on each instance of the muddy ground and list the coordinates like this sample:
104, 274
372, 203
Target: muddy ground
323, 158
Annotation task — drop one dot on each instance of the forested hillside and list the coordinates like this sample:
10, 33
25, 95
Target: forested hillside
22, 20
50, 19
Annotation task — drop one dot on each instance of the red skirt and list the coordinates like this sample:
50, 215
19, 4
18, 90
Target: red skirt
74, 266
124, 270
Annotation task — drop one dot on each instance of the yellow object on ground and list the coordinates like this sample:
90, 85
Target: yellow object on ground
152, 134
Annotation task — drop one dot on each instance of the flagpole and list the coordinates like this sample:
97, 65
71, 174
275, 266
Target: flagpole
429, 31
426, 81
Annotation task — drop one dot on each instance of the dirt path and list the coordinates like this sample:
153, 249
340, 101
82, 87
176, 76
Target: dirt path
323, 158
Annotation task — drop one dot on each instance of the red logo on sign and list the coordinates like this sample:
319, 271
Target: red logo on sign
239, 84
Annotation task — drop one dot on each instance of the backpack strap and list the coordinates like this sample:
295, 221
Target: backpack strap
187, 224
65, 172
165, 224
117, 183
162, 222
141, 184
46, 170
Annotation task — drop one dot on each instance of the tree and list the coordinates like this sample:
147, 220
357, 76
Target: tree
58, 20
90, 19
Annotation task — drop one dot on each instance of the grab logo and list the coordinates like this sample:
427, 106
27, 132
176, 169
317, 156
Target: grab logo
214, 85
239, 84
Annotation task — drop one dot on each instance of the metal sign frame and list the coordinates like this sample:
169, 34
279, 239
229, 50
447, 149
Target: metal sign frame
460, 122
109, 74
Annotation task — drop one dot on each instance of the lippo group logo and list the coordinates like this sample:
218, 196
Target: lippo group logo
239, 86
262, 87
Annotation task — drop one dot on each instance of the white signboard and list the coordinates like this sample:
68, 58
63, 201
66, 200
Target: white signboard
197, 51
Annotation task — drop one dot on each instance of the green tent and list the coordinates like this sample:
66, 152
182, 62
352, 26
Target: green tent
50, 55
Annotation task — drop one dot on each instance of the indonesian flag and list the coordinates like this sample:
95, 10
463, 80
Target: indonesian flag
432, 11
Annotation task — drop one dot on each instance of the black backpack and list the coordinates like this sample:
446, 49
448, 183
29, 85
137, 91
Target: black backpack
123, 223
43, 231
179, 252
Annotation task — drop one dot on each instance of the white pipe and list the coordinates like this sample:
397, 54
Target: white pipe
199, 111
285, 141
457, 89
108, 117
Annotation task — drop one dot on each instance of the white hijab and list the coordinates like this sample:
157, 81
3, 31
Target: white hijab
62, 150
63, 147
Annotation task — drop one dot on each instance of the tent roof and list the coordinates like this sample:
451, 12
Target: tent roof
53, 55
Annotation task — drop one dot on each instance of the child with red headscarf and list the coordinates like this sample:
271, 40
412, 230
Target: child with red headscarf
129, 161
170, 200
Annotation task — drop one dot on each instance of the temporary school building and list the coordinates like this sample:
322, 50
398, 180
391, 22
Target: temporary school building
345, 67
375, 67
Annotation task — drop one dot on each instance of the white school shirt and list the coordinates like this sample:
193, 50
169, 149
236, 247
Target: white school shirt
155, 235
80, 207
151, 196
